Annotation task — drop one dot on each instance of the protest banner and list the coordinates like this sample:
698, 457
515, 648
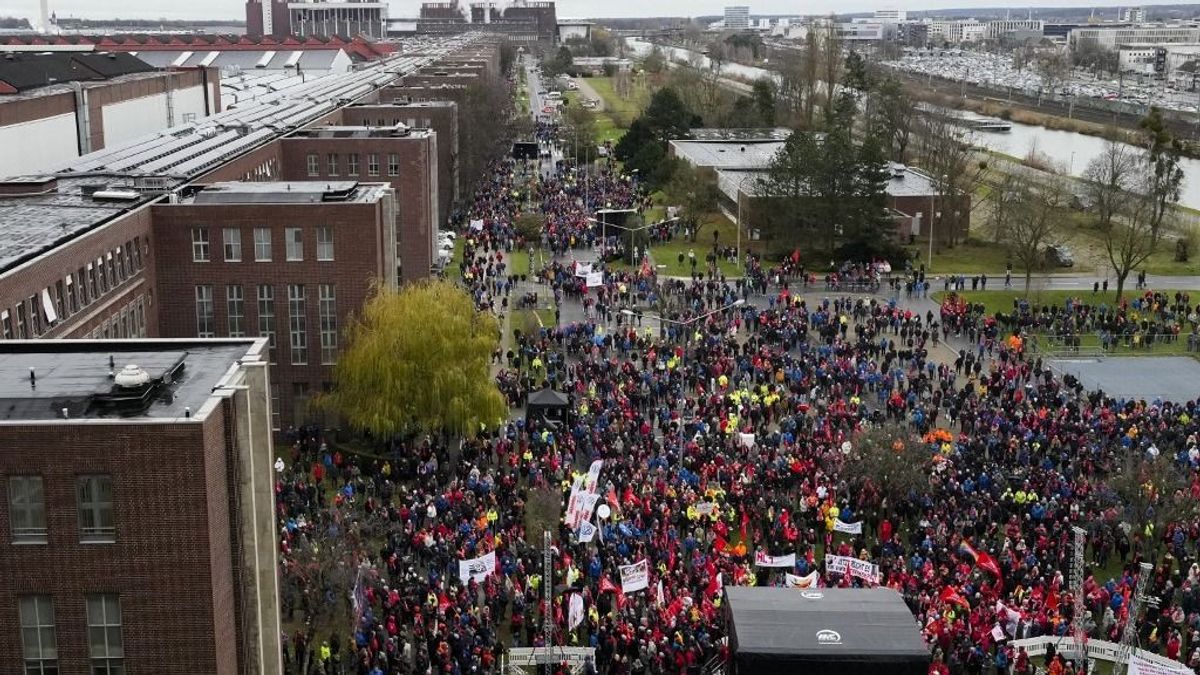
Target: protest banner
635, 577
808, 581
477, 568
859, 569
847, 528
763, 559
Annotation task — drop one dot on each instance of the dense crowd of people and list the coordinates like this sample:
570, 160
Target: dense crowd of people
729, 430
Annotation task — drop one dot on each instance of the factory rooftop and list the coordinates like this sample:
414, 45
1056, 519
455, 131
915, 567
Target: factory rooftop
362, 131
291, 192
89, 380
727, 155
41, 213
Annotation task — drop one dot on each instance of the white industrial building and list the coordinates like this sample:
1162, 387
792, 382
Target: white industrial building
737, 17
1112, 38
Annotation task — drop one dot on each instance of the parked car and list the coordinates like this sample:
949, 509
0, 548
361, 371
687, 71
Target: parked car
1059, 256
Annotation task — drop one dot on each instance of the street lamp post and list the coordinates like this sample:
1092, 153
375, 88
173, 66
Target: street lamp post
687, 325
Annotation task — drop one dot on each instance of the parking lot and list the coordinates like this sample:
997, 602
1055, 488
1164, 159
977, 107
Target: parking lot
997, 71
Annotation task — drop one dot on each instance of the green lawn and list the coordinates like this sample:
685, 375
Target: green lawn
973, 257
668, 254
621, 108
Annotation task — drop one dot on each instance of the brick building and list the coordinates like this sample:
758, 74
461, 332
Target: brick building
439, 116
137, 525
103, 249
288, 261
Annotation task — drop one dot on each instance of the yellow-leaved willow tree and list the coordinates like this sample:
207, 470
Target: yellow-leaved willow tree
417, 360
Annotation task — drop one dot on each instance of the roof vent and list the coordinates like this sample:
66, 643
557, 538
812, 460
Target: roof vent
132, 376
115, 195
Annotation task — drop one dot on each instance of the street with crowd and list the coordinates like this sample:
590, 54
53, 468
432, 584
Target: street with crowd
713, 419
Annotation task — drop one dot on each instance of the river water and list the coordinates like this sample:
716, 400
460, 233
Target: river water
1067, 151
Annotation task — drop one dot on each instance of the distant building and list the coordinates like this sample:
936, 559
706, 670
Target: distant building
136, 473
998, 30
863, 30
320, 18
574, 30
1133, 15
1112, 38
891, 15
737, 17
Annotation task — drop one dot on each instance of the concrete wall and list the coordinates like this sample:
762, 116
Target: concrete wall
30, 147
137, 117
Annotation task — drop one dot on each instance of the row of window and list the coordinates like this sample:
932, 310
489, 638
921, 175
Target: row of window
93, 500
73, 293
297, 300
231, 244
129, 322
39, 634
333, 165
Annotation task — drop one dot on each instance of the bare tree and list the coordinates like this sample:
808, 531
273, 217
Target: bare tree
811, 64
883, 464
943, 150
1129, 239
832, 64
1152, 490
1054, 65
1107, 180
1032, 222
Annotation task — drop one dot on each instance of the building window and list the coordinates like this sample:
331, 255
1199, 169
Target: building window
112, 270
331, 160
324, 243
27, 509
35, 315
372, 164
6, 320
72, 294
232, 237
236, 306
298, 324
294, 238
262, 244
314, 165
128, 252
93, 286
199, 244
204, 311
276, 409
105, 646
137, 252
266, 316
393, 165
101, 275
22, 330
96, 509
38, 640
328, 312
119, 258
352, 164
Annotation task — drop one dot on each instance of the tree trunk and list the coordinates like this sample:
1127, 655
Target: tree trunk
1120, 286
1028, 278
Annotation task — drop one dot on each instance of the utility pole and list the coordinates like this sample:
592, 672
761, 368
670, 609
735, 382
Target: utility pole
547, 596
1129, 635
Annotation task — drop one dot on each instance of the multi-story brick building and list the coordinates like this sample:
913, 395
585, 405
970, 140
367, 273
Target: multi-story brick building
137, 525
406, 159
286, 261
442, 118
80, 252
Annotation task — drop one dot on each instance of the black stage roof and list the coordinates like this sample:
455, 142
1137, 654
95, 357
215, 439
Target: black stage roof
777, 631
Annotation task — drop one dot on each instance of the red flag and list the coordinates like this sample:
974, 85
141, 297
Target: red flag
745, 522
443, 602
607, 586
986, 562
950, 595
983, 560
720, 544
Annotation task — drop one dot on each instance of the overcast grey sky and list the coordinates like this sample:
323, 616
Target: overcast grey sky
235, 9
